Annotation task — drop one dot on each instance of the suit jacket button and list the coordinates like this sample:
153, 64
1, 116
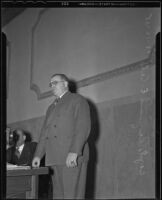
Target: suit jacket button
55, 126
55, 136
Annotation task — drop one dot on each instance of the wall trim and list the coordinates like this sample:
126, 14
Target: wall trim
34, 86
148, 62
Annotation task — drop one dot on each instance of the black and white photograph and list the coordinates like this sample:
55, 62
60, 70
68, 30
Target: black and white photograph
80, 100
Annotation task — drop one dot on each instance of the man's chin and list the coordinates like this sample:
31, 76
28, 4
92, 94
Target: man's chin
54, 95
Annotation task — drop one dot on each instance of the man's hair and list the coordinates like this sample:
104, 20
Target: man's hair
62, 76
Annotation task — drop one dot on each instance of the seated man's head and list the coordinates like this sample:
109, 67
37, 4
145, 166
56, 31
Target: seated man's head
19, 137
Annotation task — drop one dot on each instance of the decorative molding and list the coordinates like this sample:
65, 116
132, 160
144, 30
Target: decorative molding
33, 86
149, 61
118, 71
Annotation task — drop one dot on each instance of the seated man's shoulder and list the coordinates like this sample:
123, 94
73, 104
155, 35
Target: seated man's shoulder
11, 148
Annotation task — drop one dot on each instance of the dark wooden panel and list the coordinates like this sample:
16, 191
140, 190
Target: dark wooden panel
23, 183
17, 186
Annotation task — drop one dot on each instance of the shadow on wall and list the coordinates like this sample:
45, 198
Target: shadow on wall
28, 136
72, 86
94, 135
91, 171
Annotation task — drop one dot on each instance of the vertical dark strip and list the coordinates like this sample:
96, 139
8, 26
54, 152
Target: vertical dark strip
158, 117
3, 116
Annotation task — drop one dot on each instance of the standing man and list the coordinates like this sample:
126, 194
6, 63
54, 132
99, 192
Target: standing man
63, 139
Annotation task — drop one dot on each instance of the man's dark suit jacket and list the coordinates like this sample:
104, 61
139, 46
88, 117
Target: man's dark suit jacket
26, 154
66, 129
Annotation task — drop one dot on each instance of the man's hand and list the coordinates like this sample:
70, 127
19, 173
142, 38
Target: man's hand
36, 162
71, 160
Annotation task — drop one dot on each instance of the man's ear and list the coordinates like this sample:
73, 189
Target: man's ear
24, 136
66, 84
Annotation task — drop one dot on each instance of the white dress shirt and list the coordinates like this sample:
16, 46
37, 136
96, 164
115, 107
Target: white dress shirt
20, 148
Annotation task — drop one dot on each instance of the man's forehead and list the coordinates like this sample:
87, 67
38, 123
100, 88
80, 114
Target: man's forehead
56, 78
19, 132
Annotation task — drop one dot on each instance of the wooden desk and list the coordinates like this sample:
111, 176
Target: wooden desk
23, 183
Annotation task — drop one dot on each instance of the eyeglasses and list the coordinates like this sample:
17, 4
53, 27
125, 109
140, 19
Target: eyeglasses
54, 83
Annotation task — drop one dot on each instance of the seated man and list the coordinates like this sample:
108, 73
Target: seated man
22, 152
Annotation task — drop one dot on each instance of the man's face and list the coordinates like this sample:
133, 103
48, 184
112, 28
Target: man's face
21, 138
57, 85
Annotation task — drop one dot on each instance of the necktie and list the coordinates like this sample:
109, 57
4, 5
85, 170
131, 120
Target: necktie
17, 152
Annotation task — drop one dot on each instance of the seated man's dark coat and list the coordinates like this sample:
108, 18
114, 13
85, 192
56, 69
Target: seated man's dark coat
26, 154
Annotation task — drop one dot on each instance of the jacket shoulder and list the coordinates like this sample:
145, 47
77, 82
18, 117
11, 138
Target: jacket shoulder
78, 97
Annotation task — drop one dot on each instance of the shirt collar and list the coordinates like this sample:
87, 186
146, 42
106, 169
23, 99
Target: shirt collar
62, 94
20, 148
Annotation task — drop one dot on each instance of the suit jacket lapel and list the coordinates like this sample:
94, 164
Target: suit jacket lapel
24, 152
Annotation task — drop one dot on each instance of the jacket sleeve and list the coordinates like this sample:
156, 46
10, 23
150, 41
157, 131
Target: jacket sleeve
82, 126
32, 148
